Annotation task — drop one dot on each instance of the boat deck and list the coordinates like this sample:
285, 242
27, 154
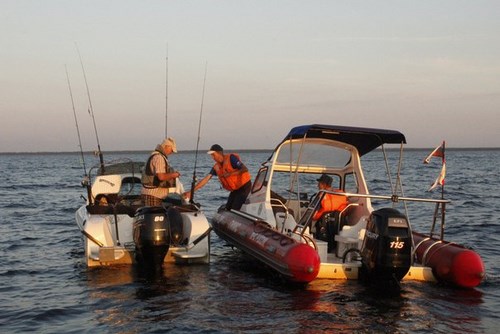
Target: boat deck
334, 268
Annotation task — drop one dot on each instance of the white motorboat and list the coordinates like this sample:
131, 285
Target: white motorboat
276, 224
118, 229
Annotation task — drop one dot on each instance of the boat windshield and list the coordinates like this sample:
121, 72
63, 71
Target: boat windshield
131, 186
313, 155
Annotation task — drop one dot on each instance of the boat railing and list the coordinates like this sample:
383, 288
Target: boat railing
393, 198
307, 218
279, 207
439, 211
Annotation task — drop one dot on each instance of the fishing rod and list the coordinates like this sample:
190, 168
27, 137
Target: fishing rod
166, 94
91, 112
85, 181
193, 183
76, 122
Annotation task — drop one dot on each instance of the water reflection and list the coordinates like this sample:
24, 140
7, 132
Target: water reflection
237, 294
125, 295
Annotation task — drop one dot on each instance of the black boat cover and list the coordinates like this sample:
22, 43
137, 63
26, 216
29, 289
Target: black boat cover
364, 139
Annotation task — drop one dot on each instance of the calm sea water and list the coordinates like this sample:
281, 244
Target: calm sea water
46, 288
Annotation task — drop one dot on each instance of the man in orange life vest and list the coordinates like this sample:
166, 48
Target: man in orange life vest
232, 174
329, 202
327, 228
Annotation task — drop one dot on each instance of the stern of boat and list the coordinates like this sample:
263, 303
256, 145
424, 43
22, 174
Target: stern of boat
195, 246
99, 238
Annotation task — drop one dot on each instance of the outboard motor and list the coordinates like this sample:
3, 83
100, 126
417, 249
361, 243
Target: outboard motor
386, 251
155, 229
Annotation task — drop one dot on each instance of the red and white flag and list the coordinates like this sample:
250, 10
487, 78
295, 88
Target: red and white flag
438, 152
440, 180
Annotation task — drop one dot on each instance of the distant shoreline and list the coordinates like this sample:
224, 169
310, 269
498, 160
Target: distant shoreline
244, 151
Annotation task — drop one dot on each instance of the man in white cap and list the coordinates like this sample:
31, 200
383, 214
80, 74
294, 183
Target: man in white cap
158, 176
233, 176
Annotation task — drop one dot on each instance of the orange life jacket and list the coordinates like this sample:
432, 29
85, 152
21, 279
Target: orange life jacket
232, 182
331, 203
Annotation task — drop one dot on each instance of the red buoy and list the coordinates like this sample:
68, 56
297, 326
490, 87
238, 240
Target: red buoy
303, 262
450, 263
296, 261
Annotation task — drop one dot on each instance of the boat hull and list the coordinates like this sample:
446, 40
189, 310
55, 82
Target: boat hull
296, 261
102, 248
451, 263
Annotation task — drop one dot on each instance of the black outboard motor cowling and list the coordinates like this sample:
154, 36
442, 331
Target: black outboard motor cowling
154, 232
386, 251
176, 227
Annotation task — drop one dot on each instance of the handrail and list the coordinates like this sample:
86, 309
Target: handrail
281, 205
396, 198
393, 198
304, 222
348, 207
91, 238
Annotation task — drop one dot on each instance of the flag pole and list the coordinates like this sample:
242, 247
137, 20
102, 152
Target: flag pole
439, 152
443, 205
443, 162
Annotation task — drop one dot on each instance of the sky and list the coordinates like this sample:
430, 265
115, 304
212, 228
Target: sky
430, 69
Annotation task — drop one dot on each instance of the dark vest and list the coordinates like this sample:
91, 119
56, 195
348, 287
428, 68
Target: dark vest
150, 180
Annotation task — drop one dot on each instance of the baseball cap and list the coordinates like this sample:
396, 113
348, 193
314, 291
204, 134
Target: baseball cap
215, 148
326, 179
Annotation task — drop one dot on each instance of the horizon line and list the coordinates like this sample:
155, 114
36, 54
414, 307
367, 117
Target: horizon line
485, 148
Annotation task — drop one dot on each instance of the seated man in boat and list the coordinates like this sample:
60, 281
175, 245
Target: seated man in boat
232, 174
158, 176
331, 203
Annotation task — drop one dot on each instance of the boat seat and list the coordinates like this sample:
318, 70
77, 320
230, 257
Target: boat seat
330, 223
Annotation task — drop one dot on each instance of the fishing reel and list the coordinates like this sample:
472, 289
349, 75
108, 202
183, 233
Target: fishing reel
85, 182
